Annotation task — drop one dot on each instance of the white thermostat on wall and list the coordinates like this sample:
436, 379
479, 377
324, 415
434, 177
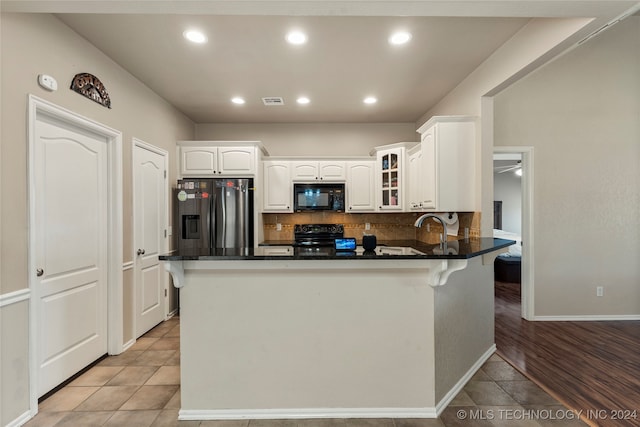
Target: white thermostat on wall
47, 82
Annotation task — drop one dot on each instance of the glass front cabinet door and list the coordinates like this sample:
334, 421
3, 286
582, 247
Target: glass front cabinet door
391, 179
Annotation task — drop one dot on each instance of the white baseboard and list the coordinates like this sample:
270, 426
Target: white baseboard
587, 318
299, 413
427, 412
22, 419
15, 297
127, 345
463, 381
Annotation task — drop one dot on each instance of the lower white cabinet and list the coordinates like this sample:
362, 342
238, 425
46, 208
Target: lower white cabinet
360, 187
277, 187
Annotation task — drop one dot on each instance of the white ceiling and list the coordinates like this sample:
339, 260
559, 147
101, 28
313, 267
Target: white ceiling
346, 58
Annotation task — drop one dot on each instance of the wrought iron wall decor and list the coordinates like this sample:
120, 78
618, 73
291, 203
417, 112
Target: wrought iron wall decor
90, 86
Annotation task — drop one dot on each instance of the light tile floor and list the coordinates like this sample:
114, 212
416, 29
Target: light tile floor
141, 388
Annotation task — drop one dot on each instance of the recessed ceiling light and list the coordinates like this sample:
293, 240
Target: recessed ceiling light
370, 100
303, 100
237, 100
296, 37
195, 36
401, 37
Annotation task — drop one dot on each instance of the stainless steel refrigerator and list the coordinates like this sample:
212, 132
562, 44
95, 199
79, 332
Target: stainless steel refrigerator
214, 213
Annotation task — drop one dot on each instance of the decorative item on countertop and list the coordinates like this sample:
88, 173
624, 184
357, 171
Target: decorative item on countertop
369, 242
90, 86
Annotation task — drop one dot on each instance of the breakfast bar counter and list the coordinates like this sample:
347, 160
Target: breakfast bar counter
393, 333
395, 249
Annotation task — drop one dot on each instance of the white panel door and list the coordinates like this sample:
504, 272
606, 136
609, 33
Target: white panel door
70, 211
149, 239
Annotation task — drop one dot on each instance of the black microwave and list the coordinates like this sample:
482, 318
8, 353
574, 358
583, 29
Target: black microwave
318, 197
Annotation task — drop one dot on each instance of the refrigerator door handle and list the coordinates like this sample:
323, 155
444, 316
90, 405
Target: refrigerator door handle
211, 221
223, 218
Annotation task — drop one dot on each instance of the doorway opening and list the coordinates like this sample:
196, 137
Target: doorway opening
513, 220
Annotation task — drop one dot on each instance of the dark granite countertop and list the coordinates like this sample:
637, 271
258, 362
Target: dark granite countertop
389, 249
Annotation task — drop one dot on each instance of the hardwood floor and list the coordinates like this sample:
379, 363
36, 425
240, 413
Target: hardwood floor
593, 367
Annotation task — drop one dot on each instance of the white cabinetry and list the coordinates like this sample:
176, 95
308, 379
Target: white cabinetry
360, 187
277, 187
415, 179
448, 180
325, 170
390, 176
204, 159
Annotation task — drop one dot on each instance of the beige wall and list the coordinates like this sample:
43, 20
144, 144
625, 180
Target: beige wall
313, 139
581, 114
32, 44
528, 49
14, 362
463, 323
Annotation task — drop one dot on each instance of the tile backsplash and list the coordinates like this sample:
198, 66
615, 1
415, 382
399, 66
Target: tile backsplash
386, 226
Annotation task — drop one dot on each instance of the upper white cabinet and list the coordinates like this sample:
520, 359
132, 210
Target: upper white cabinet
448, 179
415, 178
209, 159
277, 186
324, 170
360, 186
390, 176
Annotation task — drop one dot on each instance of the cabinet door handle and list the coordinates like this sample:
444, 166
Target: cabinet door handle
141, 251
39, 272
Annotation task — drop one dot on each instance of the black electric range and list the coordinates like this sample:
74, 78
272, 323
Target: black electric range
316, 239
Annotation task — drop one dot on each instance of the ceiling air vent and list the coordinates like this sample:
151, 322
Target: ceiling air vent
273, 100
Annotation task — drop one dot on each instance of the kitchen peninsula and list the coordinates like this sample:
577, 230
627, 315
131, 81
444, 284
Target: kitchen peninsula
270, 333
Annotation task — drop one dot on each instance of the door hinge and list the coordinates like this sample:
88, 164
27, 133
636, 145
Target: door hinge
165, 293
165, 233
165, 174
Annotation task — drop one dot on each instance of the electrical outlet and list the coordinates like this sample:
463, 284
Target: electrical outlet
278, 227
599, 291
367, 226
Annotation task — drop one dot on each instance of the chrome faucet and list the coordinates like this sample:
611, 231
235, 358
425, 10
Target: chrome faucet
420, 220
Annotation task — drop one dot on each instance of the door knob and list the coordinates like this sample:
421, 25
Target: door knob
140, 251
39, 272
